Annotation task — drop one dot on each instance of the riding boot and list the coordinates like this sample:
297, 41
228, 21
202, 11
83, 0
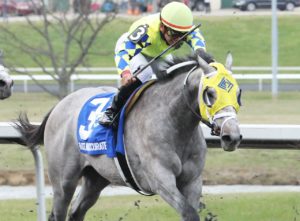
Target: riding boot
118, 102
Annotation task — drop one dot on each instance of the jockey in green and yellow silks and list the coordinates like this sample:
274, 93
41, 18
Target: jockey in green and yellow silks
147, 38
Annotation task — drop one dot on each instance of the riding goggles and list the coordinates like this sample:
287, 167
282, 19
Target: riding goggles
174, 34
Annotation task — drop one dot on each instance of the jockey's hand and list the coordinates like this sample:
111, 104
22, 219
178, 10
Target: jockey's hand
204, 55
127, 77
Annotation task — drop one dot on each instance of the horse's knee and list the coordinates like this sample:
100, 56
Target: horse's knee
67, 187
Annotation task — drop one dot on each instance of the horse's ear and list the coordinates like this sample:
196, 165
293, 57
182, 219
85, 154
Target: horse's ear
229, 60
205, 67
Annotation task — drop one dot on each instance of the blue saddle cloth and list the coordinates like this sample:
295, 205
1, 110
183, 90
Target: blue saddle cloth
94, 138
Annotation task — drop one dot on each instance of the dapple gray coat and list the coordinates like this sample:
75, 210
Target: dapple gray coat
165, 146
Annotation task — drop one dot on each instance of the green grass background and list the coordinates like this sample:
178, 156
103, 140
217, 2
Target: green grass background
225, 207
247, 37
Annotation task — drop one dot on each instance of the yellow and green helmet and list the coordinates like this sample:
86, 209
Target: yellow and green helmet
177, 16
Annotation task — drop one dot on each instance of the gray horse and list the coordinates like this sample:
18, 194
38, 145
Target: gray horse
165, 146
6, 81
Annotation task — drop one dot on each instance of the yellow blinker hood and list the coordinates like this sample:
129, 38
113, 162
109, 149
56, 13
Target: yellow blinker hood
226, 87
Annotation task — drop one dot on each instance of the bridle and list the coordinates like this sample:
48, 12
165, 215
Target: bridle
212, 124
198, 115
215, 130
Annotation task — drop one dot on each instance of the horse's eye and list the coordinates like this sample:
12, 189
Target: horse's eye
209, 96
239, 96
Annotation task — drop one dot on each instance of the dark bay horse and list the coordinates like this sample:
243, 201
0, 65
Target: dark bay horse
165, 146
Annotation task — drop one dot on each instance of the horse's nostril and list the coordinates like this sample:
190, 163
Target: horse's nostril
2, 83
226, 138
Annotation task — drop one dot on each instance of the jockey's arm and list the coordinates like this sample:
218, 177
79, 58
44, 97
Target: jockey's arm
196, 41
127, 51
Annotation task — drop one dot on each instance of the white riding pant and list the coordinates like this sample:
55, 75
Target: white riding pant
139, 61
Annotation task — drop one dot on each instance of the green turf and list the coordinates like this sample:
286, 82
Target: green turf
36, 105
246, 166
226, 207
261, 107
254, 207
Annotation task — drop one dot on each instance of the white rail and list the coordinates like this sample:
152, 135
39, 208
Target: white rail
241, 73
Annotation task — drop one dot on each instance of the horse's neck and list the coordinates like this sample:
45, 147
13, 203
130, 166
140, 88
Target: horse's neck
180, 113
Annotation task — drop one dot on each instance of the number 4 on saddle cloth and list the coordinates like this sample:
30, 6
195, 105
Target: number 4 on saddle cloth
95, 139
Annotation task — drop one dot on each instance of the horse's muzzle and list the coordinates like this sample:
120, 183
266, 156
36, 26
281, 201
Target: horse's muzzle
230, 142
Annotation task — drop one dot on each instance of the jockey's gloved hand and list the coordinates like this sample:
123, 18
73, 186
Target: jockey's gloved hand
204, 55
127, 77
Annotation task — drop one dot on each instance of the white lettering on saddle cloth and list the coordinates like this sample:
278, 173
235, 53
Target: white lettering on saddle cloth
92, 146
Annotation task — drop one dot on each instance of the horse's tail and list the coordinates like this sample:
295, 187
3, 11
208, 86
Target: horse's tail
31, 134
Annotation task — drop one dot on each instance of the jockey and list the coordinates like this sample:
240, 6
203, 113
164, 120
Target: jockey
147, 38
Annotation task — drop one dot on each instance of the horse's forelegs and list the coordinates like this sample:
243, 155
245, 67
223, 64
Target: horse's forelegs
92, 185
190, 182
61, 201
164, 184
192, 192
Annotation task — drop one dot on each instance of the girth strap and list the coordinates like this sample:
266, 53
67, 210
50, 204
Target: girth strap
121, 161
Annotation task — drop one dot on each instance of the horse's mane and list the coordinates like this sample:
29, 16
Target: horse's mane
162, 74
